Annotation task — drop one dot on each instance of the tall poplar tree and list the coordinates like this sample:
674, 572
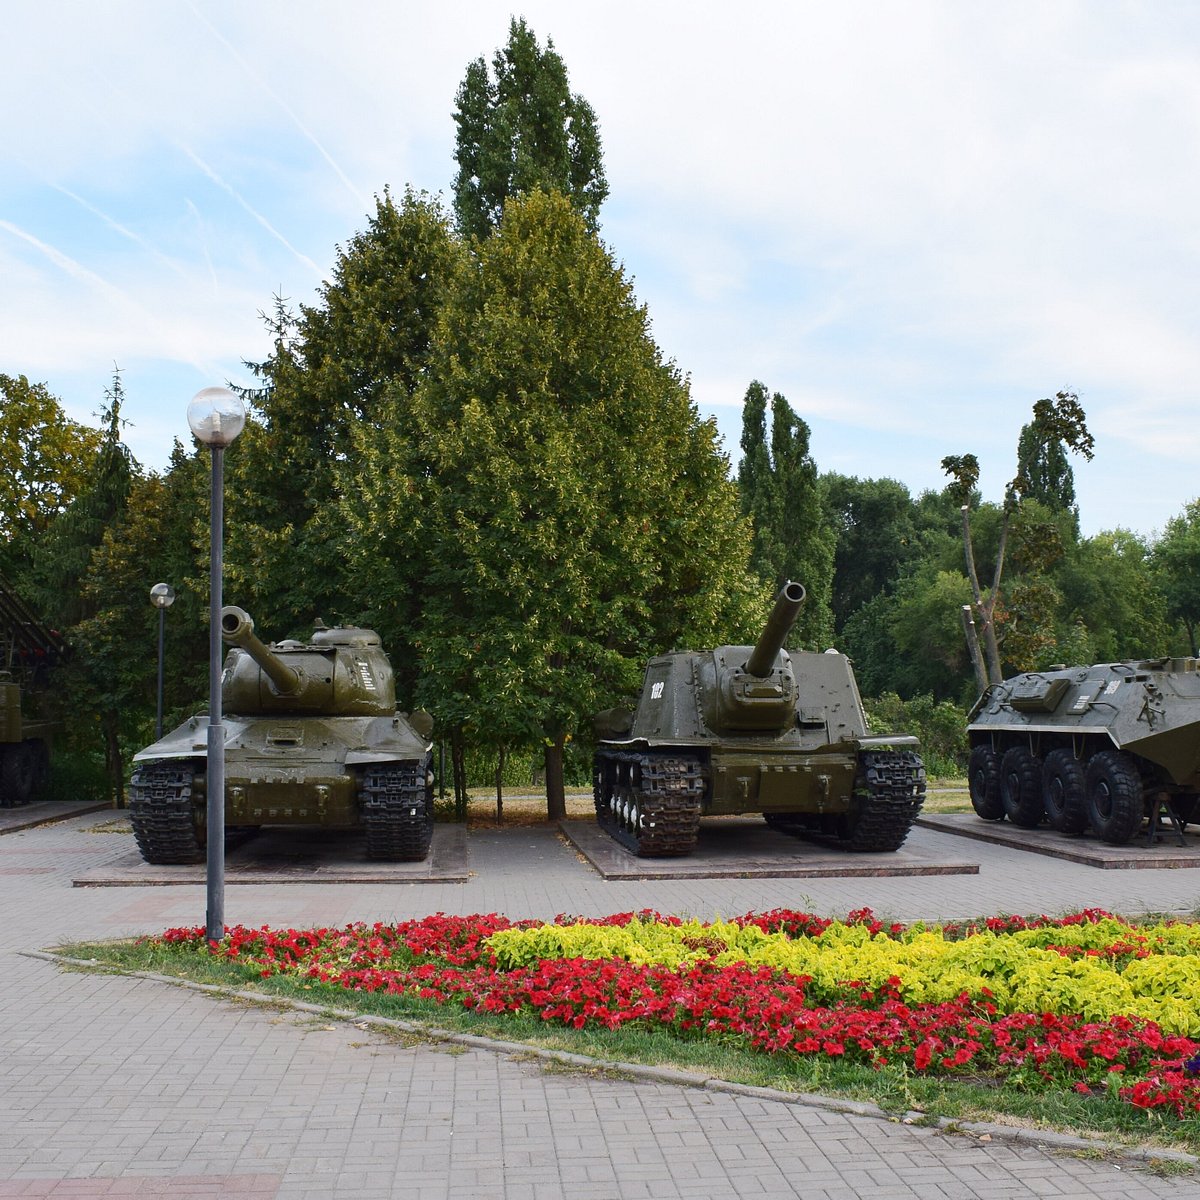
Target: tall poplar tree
794, 537
520, 127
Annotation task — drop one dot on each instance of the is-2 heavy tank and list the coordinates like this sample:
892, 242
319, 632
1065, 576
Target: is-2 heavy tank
753, 729
1099, 748
312, 737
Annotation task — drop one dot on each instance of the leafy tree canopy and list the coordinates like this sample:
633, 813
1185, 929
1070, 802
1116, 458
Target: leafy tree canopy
46, 460
345, 363
1176, 557
579, 512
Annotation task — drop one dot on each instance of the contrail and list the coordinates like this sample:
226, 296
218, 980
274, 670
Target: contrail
204, 241
68, 265
252, 74
255, 214
137, 239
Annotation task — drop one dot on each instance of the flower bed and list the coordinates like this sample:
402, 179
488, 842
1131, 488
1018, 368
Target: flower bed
1087, 1002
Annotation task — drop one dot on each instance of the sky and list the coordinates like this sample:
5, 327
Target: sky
912, 219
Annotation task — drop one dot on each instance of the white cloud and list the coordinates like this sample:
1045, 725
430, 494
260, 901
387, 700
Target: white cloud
914, 220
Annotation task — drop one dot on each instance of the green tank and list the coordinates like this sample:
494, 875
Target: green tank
1101, 747
312, 737
753, 729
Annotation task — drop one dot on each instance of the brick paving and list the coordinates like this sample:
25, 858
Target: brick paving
117, 1087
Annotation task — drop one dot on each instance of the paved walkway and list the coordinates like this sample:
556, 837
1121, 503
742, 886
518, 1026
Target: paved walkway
115, 1087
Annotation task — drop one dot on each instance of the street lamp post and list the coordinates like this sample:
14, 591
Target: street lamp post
216, 416
162, 596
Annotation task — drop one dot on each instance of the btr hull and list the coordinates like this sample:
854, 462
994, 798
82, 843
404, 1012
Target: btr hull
1103, 747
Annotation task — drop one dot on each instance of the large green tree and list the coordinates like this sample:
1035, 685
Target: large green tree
346, 362
46, 460
62, 571
1176, 557
520, 128
1113, 603
578, 510
794, 537
876, 525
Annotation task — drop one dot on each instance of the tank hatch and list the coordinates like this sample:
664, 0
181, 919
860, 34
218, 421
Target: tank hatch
346, 635
1037, 694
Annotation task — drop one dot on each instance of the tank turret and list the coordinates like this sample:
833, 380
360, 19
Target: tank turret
754, 690
342, 672
312, 737
753, 729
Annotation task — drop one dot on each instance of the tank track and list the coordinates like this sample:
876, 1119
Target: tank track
162, 812
889, 793
396, 803
649, 803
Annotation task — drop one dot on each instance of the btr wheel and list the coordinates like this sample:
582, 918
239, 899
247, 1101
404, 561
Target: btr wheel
1115, 798
1064, 791
983, 776
1021, 787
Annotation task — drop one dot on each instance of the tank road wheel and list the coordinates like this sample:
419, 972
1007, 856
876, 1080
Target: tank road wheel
1064, 791
396, 802
649, 803
1021, 787
18, 774
983, 776
888, 795
168, 820
1115, 799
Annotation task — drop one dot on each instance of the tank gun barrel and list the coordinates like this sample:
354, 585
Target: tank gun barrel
783, 616
237, 628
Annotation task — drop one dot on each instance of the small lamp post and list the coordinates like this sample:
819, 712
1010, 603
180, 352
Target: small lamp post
162, 596
216, 416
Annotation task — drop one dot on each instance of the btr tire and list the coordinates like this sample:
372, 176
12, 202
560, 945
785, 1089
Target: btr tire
1064, 791
1021, 787
983, 776
1115, 798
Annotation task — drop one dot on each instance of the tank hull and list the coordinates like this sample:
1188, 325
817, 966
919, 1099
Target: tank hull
787, 740
305, 771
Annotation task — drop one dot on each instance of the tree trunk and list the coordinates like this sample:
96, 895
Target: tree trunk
113, 760
556, 796
968, 621
985, 610
500, 787
458, 767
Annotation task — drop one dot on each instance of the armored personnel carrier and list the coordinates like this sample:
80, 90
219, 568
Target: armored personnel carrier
753, 729
1102, 747
312, 737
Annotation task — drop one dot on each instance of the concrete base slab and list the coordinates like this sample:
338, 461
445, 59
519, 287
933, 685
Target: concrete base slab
277, 855
744, 848
44, 812
1081, 848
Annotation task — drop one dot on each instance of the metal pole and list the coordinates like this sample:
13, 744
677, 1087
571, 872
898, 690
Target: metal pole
215, 922
162, 613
